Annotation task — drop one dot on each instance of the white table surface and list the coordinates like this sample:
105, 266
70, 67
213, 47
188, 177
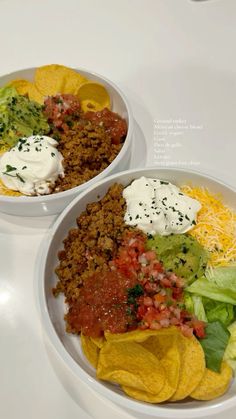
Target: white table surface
175, 60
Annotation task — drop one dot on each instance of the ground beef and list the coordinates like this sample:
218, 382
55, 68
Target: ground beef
88, 142
87, 150
89, 247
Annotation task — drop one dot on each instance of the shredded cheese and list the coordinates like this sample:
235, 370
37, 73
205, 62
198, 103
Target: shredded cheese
216, 226
5, 191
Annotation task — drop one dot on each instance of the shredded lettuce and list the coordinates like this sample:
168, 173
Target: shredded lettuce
223, 276
218, 285
212, 298
230, 352
195, 305
216, 310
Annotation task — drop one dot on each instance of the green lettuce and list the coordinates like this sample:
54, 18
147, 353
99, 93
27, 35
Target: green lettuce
214, 344
230, 352
194, 304
223, 276
218, 284
216, 310
214, 296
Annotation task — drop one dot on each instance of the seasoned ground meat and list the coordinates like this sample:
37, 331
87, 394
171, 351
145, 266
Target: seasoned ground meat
87, 150
89, 247
88, 142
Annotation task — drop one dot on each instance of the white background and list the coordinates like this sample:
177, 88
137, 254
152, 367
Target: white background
175, 60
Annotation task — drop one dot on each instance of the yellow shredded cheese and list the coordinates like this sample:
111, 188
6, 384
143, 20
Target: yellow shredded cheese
216, 226
5, 191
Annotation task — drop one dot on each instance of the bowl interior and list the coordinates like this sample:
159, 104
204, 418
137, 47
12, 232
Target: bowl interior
53, 309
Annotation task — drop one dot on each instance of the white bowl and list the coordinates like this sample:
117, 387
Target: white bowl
53, 309
55, 203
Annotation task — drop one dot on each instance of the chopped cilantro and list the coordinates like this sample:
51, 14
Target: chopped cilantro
134, 292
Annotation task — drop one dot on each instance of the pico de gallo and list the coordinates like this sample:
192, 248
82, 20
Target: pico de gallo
137, 292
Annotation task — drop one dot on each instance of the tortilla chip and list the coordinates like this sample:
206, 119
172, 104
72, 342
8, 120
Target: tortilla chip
213, 384
99, 342
168, 352
131, 365
192, 366
54, 78
35, 95
93, 96
25, 87
73, 82
165, 348
22, 86
139, 335
90, 349
90, 105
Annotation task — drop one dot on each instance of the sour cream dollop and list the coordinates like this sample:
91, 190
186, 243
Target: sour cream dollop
32, 166
159, 207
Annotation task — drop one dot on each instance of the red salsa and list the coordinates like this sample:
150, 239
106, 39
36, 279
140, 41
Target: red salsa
102, 305
114, 125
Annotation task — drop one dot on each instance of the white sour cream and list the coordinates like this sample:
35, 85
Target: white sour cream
32, 166
159, 207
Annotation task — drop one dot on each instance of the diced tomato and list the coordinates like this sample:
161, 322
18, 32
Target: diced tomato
150, 255
199, 328
162, 290
186, 330
148, 301
166, 283
159, 298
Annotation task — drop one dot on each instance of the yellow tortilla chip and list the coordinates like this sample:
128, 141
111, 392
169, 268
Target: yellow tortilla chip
90, 105
54, 78
90, 349
139, 335
167, 351
25, 87
213, 384
93, 96
73, 82
99, 342
165, 347
22, 86
35, 95
130, 365
192, 366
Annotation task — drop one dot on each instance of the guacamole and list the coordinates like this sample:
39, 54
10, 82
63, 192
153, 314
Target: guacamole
181, 254
19, 117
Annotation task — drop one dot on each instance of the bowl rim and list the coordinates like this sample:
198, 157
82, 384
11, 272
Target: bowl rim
99, 176
67, 359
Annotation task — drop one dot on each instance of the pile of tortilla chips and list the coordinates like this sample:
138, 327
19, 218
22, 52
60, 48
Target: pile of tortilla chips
156, 365
52, 79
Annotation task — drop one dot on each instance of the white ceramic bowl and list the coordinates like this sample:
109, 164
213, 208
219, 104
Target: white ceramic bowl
53, 309
55, 203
